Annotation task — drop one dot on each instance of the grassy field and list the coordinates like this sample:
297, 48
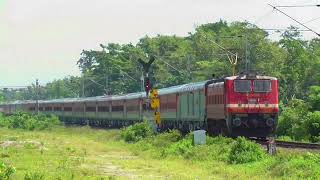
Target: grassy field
85, 153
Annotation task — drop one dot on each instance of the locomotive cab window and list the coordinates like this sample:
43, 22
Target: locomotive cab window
242, 86
262, 86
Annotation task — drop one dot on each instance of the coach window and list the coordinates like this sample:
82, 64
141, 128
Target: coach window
242, 86
131, 107
67, 109
90, 109
48, 108
103, 109
57, 109
117, 108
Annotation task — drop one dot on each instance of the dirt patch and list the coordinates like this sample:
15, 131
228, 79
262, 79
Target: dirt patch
20, 144
106, 167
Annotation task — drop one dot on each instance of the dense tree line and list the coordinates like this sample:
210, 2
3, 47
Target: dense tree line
115, 68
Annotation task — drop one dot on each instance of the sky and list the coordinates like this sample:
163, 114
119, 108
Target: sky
44, 38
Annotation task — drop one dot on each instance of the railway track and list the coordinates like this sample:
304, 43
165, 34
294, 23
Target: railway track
289, 144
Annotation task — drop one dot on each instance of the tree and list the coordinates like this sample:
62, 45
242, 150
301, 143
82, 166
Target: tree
314, 97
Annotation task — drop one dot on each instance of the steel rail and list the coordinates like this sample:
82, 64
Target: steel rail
292, 144
288, 144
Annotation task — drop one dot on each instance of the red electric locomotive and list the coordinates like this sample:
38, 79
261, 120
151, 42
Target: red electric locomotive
249, 108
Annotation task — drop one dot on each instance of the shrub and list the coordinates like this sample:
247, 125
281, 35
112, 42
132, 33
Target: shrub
136, 132
284, 138
291, 120
244, 151
34, 176
180, 148
293, 165
312, 125
166, 139
6, 171
29, 121
314, 97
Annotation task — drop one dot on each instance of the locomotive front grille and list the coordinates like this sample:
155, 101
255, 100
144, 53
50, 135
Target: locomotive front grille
253, 120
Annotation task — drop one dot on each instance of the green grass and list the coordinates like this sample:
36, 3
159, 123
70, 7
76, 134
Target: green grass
85, 153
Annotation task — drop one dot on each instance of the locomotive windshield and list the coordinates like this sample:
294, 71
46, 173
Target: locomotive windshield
262, 86
242, 86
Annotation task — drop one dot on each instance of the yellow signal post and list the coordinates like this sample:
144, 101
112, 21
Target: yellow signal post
157, 117
155, 104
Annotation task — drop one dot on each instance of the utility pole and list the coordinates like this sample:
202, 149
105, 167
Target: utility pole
247, 54
37, 96
107, 82
189, 68
142, 81
83, 87
58, 89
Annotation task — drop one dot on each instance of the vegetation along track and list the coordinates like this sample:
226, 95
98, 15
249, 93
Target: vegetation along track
290, 144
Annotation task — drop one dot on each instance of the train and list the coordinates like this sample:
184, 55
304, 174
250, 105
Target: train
240, 105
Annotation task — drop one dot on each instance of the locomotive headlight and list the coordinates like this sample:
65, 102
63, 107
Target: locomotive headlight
270, 122
236, 122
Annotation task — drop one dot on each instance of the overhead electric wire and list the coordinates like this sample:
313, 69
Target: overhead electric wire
294, 6
311, 20
263, 16
221, 47
121, 71
294, 19
274, 29
168, 64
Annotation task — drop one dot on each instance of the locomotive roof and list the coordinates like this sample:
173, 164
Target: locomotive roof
246, 76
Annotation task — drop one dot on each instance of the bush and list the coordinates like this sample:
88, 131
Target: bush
284, 138
34, 176
314, 97
291, 120
6, 171
312, 125
181, 148
293, 165
28, 121
166, 139
136, 132
244, 151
